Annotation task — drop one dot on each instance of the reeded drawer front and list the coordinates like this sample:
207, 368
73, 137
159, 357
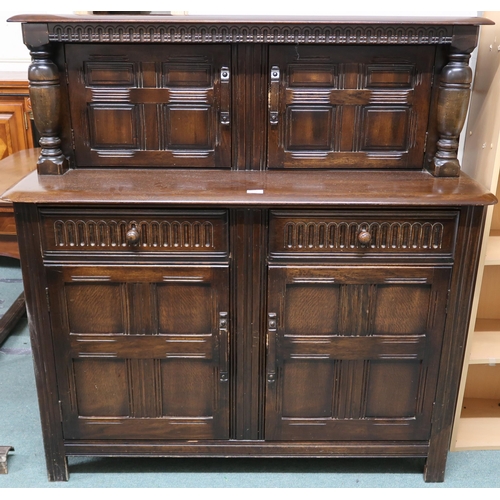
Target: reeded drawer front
128, 231
321, 232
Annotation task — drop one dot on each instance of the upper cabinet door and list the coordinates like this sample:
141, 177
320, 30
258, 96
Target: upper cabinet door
348, 107
169, 109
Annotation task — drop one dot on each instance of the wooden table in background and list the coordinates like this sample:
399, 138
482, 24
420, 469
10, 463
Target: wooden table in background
12, 169
16, 134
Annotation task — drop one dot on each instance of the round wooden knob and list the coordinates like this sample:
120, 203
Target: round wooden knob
133, 236
364, 237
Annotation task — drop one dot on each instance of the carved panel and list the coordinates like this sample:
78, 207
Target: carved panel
385, 129
324, 234
389, 76
320, 388
178, 233
177, 32
385, 235
199, 379
405, 379
144, 385
310, 128
179, 74
109, 74
109, 234
113, 126
188, 128
101, 387
313, 75
312, 307
403, 308
184, 306
308, 386
95, 307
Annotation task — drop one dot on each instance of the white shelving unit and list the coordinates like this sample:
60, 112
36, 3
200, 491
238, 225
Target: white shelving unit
477, 420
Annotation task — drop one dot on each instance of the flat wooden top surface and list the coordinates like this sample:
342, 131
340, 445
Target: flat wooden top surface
216, 19
15, 167
242, 188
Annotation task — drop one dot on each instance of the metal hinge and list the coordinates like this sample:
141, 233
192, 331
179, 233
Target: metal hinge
48, 300
447, 300
60, 411
425, 141
271, 326
73, 139
224, 74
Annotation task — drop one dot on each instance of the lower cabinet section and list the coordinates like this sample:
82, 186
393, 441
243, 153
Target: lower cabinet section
351, 351
243, 344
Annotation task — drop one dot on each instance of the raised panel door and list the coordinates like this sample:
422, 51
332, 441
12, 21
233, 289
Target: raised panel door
167, 107
353, 351
143, 351
348, 107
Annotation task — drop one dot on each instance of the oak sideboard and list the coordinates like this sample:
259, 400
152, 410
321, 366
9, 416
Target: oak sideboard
248, 237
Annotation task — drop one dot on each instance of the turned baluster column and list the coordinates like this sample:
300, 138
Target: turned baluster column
45, 94
453, 102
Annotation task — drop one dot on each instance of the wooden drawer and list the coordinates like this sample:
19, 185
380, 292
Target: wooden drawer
362, 232
168, 231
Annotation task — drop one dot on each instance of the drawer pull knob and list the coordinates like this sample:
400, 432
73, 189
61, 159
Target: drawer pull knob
364, 237
133, 236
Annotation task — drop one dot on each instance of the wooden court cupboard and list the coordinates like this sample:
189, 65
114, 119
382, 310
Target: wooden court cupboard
249, 236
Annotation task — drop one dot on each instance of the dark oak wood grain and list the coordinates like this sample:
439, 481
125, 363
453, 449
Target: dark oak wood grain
215, 188
263, 244
282, 19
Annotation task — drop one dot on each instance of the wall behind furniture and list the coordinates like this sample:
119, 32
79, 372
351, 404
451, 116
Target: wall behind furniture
14, 56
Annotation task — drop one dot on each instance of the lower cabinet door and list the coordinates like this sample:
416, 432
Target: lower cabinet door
142, 351
353, 352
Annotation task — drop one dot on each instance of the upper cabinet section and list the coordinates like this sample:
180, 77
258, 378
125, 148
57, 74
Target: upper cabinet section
249, 93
